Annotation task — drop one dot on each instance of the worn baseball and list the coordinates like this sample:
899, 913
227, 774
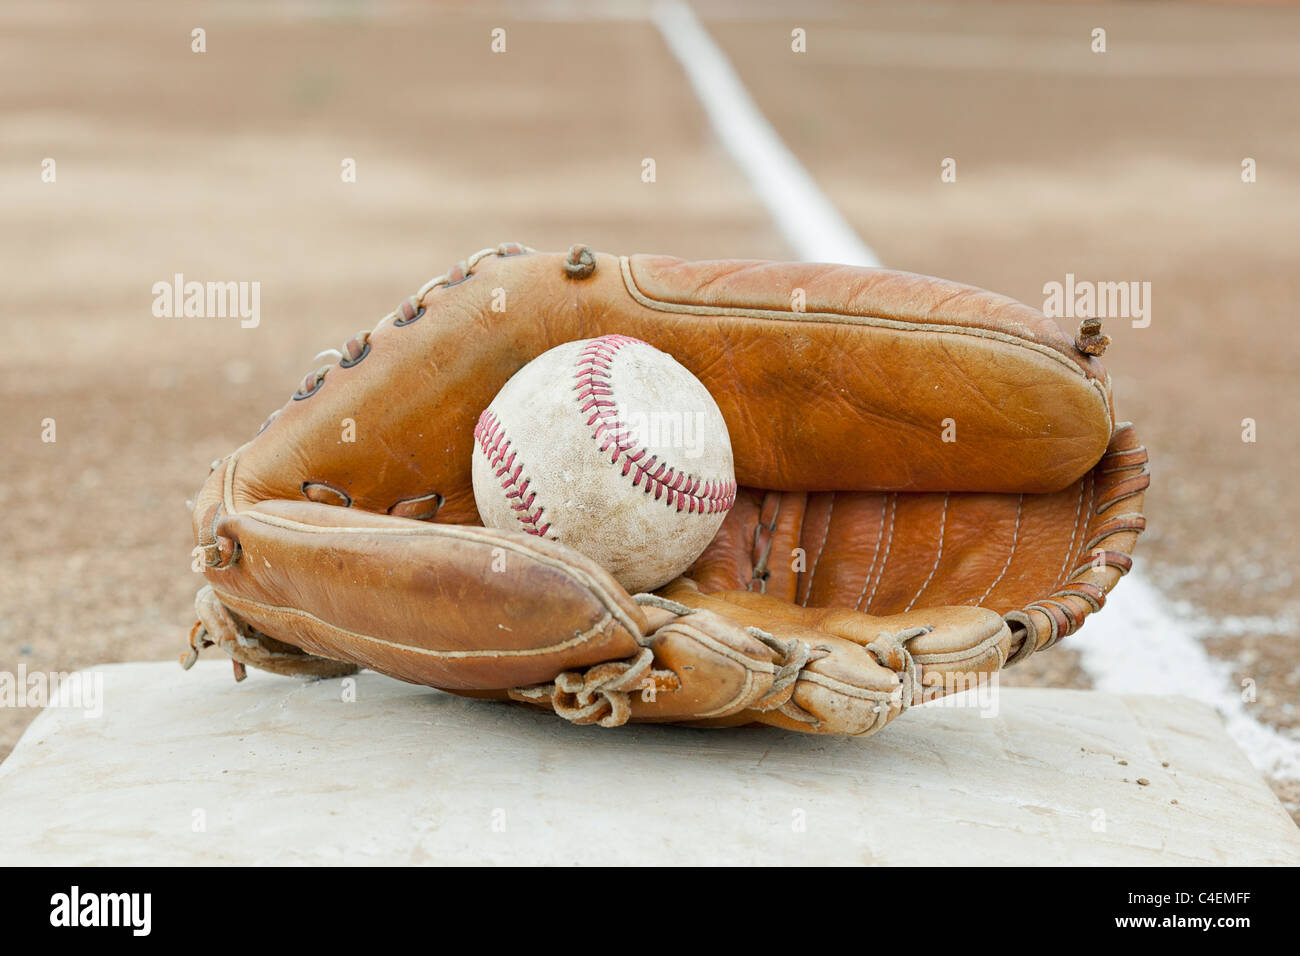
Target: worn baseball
611, 447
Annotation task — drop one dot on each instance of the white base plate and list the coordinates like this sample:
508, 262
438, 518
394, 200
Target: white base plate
187, 768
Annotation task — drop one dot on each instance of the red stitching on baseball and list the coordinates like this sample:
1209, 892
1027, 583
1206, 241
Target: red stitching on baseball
491, 438
595, 395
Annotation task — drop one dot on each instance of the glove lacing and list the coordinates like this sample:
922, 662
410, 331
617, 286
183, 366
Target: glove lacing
890, 650
600, 694
218, 627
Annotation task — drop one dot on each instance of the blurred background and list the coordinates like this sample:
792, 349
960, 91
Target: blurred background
225, 165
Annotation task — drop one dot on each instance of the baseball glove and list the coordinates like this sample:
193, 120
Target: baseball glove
933, 486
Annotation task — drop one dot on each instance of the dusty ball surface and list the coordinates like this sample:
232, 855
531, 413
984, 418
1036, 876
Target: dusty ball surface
613, 448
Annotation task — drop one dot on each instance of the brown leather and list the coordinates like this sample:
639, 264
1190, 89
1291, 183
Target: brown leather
1045, 560
934, 485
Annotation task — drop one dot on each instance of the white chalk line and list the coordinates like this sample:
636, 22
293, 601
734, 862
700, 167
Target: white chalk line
807, 219
1138, 645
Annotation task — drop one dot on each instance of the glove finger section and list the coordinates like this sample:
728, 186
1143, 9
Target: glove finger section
694, 666
952, 649
955, 636
721, 669
861, 685
826, 683
876, 666
454, 607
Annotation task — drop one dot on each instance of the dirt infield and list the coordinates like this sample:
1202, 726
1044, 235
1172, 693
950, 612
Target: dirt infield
225, 165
